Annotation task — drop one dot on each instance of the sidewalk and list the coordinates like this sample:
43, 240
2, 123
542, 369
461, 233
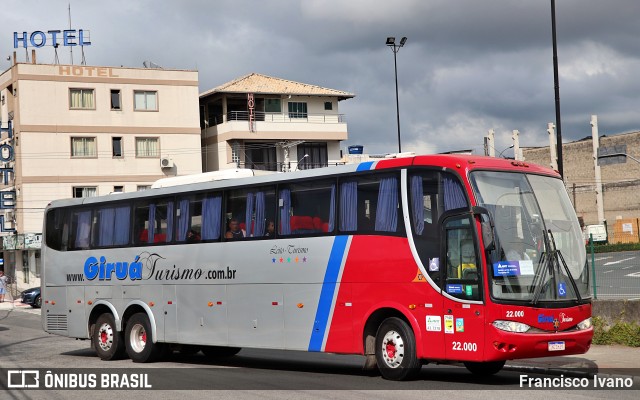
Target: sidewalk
10, 304
602, 360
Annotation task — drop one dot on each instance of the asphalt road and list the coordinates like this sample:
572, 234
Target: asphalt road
253, 373
617, 274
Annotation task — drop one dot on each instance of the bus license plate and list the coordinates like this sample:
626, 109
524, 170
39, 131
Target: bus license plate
556, 346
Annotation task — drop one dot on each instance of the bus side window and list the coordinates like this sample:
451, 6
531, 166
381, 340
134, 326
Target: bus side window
307, 208
370, 204
80, 234
188, 221
57, 234
462, 266
111, 226
424, 215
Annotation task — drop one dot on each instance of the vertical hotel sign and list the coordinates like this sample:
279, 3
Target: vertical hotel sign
7, 198
251, 111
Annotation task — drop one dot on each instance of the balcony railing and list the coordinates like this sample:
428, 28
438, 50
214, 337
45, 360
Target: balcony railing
292, 117
282, 167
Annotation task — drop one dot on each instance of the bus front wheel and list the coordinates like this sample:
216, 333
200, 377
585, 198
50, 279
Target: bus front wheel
484, 368
396, 350
107, 341
139, 340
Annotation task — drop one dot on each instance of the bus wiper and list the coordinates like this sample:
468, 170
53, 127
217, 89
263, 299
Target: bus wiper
553, 256
566, 268
547, 256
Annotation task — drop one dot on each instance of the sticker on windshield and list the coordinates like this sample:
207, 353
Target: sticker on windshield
454, 289
434, 264
513, 268
562, 289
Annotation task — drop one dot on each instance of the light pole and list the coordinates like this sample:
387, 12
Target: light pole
391, 42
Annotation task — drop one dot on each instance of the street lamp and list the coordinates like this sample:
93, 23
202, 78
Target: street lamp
391, 42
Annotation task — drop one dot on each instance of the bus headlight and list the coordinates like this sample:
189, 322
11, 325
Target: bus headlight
511, 326
586, 324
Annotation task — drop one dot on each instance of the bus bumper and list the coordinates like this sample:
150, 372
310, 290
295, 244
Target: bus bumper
501, 345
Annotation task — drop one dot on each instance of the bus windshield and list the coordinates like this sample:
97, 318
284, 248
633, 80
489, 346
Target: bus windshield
539, 254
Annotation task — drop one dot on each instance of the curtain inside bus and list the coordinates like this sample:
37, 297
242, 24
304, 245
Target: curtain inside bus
348, 206
387, 209
211, 217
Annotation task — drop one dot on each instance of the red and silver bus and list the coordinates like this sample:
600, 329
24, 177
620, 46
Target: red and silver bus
406, 261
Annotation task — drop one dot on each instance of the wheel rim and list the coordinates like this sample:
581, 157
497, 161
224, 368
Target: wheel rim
392, 349
138, 338
105, 337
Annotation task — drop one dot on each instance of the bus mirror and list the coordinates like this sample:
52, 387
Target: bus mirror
487, 236
486, 226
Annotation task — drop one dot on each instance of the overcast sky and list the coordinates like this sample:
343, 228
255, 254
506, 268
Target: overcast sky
468, 65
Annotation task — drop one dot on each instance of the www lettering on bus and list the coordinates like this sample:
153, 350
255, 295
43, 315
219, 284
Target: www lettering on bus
104, 271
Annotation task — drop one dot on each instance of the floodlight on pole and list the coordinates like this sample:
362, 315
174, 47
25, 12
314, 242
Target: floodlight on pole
391, 42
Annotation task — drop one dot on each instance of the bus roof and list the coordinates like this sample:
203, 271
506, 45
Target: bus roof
221, 179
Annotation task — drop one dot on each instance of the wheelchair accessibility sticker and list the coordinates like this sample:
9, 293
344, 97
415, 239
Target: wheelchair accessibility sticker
562, 289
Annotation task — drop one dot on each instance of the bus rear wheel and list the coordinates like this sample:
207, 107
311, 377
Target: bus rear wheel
484, 368
107, 341
396, 350
139, 340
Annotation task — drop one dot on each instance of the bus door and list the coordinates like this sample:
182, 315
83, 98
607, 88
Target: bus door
463, 310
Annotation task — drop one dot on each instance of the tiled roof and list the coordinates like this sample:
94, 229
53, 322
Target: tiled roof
258, 83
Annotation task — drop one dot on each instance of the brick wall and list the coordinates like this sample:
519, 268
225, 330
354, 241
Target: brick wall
621, 182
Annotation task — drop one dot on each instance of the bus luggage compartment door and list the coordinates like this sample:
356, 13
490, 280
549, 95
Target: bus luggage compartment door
76, 318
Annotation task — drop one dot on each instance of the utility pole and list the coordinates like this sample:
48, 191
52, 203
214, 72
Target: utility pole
598, 175
556, 87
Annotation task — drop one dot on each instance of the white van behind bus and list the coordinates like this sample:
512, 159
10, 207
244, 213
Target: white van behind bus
599, 233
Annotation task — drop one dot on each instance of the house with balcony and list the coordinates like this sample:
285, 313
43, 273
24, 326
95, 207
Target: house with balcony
266, 123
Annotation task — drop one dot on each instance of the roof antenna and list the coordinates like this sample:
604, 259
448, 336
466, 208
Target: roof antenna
70, 47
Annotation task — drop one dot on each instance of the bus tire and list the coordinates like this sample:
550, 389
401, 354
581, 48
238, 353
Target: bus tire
220, 351
107, 341
396, 350
484, 368
139, 340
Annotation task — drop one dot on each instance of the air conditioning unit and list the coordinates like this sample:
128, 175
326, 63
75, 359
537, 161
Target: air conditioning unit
166, 162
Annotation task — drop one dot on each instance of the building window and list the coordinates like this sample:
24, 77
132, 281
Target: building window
83, 147
147, 147
140, 188
118, 189
145, 100
272, 105
297, 109
85, 191
235, 152
116, 146
81, 99
115, 99
312, 155
328, 105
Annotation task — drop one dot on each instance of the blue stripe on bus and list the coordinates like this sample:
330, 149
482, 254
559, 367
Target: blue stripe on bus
327, 293
365, 166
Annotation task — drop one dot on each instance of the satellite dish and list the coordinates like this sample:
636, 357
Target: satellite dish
151, 64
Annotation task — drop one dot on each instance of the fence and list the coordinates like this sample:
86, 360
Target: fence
614, 275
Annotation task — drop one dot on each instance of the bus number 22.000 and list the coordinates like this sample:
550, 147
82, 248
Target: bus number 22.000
464, 346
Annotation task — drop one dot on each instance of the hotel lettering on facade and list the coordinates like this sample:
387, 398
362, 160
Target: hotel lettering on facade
79, 131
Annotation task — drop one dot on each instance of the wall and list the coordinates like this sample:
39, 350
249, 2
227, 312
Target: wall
621, 182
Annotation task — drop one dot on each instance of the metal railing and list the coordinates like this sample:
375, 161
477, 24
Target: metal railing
283, 167
614, 275
288, 117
